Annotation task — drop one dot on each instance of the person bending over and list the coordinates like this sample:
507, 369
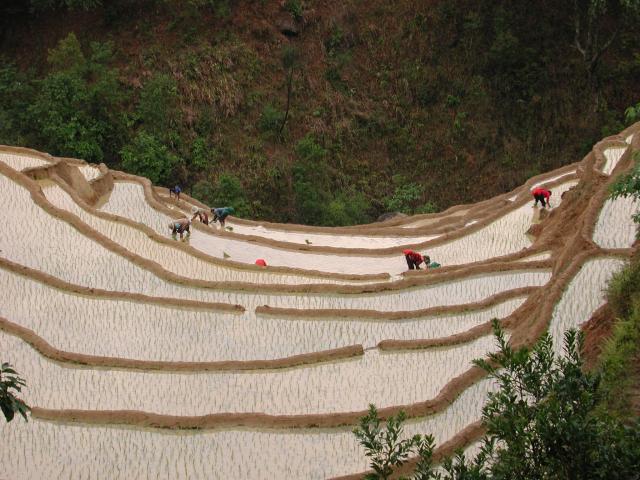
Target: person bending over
180, 226
201, 214
220, 214
414, 259
540, 195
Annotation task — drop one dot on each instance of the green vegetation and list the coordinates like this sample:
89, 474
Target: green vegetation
542, 422
10, 385
75, 112
385, 446
226, 190
628, 185
147, 156
417, 107
621, 353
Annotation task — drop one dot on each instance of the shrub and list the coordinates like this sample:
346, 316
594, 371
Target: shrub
632, 114
157, 109
311, 182
10, 385
428, 207
346, 208
405, 198
149, 157
540, 423
77, 108
270, 119
16, 94
223, 191
295, 8
385, 447
621, 351
628, 185
202, 155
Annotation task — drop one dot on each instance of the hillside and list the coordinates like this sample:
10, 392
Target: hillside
148, 356
394, 106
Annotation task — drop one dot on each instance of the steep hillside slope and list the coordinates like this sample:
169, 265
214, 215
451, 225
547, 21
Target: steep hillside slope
394, 106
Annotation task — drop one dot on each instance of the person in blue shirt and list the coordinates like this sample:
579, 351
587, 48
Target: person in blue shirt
219, 214
175, 191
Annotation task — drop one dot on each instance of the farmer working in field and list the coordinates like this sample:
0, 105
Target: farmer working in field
220, 214
541, 194
414, 259
180, 226
201, 213
175, 191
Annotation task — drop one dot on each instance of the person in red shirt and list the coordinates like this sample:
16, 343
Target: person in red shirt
541, 194
414, 259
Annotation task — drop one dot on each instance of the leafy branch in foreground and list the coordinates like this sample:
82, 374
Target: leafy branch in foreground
628, 185
384, 446
541, 423
11, 382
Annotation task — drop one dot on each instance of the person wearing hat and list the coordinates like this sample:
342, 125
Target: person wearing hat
201, 213
414, 259
180, 226
219, 214
541, 194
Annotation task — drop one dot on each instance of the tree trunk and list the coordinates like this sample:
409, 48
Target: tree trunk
286, 112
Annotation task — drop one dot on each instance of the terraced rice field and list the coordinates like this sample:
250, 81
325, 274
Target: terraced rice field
147, 357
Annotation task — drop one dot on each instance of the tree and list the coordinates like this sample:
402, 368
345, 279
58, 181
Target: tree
405, 198
592, 37
157, 109
149, 157
290, 61
311, 181
77, 108
10, 385
226, 190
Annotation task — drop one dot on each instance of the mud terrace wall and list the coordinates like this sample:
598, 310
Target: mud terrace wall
148, 357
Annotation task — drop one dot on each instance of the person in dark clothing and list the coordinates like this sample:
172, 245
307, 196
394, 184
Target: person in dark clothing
414, 259
180, 226
540, 195
175, 191
219, 214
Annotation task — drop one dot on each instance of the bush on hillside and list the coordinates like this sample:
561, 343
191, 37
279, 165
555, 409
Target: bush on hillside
621, 352
270, 119
157, 110
148, 157
223, 191
628, 185
405, 198
76, 106
311, 182
541, 424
